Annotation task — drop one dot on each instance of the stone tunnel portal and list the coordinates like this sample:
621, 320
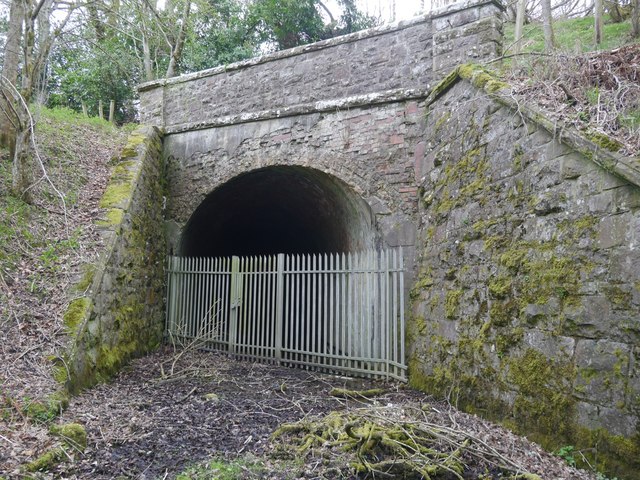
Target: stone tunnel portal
280, 209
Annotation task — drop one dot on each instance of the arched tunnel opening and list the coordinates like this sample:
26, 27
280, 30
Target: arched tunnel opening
281, 209
305, 307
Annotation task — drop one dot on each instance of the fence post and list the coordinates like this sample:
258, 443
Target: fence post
279, 306
235, 301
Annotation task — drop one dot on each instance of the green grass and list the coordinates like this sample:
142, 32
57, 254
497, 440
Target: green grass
221, 470
574, 35
65, 117
246, 467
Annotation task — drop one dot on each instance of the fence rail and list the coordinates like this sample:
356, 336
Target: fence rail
332, 312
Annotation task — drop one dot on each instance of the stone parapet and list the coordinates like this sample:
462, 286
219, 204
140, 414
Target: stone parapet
407, 55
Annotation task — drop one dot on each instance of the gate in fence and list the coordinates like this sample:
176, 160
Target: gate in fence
330, 312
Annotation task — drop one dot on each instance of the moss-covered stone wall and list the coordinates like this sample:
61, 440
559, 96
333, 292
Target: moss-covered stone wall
121, 315
526, 304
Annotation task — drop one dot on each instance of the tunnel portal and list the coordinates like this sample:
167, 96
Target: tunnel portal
281, 209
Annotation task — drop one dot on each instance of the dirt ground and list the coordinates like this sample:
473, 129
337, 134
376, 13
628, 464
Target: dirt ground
147, 425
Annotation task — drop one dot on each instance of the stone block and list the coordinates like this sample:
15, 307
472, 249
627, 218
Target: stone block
398, 231
626, 197
601, 203
616, 421
590, 318
552, 346
602, 367
613, 230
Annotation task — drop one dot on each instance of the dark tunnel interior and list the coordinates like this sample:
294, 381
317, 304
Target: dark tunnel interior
280, 209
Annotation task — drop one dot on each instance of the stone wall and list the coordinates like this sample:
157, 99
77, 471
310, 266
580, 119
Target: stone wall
526, 304
122, 314
408, 55
371, 149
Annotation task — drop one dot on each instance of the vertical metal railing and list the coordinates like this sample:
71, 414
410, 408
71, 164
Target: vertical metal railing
329, 312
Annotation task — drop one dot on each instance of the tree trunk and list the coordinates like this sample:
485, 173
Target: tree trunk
635, 19
100, 110
10, 66
547, 26
176, 51
28, 52
21, 178
112, 111
598, 17
45, 41
95, 21
520, 13
146, 53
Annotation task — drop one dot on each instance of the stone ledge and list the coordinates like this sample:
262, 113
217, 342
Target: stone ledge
390, 96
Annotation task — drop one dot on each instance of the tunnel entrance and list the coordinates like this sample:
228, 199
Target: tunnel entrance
282, 209
283, 264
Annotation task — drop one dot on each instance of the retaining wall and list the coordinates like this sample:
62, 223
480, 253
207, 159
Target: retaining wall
121, 316
526, 303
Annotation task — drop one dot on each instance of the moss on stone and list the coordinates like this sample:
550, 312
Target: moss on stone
419, 325
604, 141
613, 454
441, 121
123, 172
115, 195
502, 312
451, 302
87, 278
507, 339
113, 218
513, 256
45, 411
424, 283
619, 298
46, 461
481, 78
135, 262
500, 287
76, 312
133, 142
74, 435
543, 402
445, 84
469, 174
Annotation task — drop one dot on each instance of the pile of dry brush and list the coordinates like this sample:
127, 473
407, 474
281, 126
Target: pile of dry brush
599, 91
392, 442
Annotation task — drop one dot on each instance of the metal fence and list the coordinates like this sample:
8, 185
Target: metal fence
329, 312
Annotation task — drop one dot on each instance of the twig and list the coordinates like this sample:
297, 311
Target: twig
182, 399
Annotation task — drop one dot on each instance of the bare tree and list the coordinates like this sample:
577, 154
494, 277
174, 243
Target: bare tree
10, 68
547, 25
36, 43
599, 22
178, 44
520, 14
